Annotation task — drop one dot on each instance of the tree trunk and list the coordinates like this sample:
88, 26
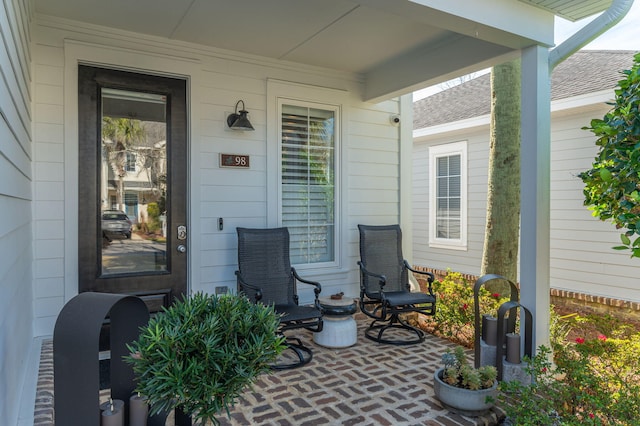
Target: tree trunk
500, 254
120, 193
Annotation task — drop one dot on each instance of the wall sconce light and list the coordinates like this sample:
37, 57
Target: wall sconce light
238, 120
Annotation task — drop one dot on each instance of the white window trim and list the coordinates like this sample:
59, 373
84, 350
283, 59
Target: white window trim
277, 91
435, 152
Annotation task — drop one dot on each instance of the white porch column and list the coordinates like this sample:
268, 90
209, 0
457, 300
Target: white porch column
405, 136
535, 201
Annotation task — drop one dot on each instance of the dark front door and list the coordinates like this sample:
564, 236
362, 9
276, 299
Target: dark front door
132, 235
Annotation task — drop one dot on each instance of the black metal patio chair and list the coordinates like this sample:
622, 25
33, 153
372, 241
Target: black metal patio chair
265, 275
385, 292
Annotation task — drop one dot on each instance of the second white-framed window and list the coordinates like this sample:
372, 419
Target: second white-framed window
448, 196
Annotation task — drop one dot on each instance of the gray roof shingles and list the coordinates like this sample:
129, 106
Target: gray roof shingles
584, 72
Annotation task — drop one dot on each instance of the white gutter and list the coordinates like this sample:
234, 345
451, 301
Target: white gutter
595, 28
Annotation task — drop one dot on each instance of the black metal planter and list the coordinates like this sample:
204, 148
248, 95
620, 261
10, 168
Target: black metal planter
75, 354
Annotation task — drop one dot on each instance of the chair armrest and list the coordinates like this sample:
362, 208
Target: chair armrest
382, 280
318, 287
430, 276
316, 290
257, 291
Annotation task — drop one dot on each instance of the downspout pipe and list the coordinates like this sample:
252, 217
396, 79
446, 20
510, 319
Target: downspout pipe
608, 19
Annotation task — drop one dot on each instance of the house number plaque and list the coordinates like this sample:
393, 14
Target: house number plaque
234, 160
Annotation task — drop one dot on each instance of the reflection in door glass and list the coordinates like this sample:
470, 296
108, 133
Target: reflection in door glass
133, 182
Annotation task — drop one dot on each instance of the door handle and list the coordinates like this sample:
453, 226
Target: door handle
181, 248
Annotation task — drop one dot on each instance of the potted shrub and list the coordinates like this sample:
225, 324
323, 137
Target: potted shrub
200, 354
463, 389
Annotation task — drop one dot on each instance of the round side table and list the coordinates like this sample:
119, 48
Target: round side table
339, 328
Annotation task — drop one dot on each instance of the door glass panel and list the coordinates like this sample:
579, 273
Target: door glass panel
133, 183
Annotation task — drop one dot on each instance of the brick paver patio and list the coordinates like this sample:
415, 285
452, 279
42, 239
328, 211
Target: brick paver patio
366, 384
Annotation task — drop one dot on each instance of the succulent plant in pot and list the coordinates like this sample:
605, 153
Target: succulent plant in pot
463, 389
201, 353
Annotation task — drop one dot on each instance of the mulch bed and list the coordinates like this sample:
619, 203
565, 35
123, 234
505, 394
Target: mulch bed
589, 330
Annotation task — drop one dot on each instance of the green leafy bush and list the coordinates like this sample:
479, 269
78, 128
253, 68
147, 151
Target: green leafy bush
594, 381
153, 222
534, 404
612, 186
202, 352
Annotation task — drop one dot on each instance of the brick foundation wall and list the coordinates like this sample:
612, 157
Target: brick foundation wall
572, 300
587, 303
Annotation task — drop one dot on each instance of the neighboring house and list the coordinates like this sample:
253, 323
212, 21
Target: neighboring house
451, 128
320, 81
143, 180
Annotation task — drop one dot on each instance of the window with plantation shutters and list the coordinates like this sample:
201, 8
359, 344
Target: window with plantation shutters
308, 142
448, 194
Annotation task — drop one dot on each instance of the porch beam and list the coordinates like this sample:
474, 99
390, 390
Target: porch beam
429, 65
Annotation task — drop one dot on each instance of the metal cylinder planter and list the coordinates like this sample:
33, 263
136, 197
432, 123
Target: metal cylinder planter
466, 402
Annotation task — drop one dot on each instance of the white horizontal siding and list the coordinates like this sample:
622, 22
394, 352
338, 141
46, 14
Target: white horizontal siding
466, 261
581, 256
49, 225
370, 155
16, 314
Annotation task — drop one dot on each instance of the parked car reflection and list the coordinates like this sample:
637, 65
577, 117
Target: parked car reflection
115, 223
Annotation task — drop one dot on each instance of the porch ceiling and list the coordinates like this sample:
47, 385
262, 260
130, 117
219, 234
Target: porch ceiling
395, 45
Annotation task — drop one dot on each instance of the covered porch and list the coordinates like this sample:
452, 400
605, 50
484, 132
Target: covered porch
360, 60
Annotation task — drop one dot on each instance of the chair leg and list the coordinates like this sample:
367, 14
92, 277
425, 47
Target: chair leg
376, 329
300, 351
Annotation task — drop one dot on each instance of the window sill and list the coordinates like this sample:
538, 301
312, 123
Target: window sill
437, 245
